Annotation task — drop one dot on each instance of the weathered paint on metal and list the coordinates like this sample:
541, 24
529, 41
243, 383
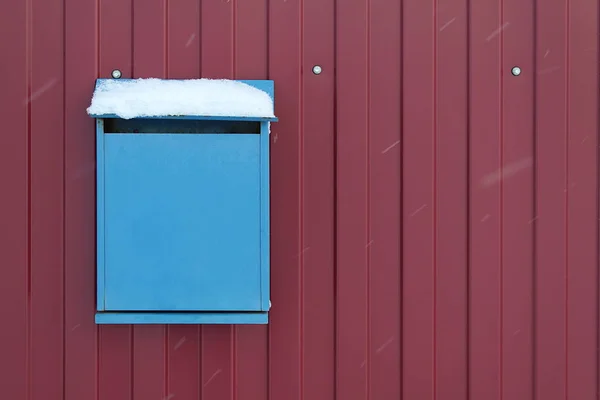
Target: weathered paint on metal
434, 218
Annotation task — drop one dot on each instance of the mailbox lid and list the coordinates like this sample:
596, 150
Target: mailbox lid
182, 222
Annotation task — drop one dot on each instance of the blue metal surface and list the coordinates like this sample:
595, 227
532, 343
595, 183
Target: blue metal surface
100, 214
182, 218
182, 318
265, 231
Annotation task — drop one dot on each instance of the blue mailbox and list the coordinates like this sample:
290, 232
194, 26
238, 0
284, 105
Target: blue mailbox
182, 200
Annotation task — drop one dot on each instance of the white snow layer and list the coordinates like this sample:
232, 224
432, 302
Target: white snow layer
196, 97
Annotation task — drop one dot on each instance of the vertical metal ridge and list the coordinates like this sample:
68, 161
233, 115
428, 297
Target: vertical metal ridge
434, 211
201, 342
200, 39
335, 200
234, 364
534, 235
567, 186
267, 37
199, 376
597, 212
468, 213
501, 201
132, 44
97, 333
233, 38
401, 205
301, 204
98, 47
98, 360
166, 349
166, 39
28, 83
131, 361
368, 300
64, 197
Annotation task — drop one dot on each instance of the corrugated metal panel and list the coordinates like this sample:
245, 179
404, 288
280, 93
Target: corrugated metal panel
435, 219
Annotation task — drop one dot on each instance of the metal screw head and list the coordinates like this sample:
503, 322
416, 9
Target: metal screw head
116, 74
516, 71
317, 69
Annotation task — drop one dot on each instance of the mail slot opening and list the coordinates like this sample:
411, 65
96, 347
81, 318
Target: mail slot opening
117, 125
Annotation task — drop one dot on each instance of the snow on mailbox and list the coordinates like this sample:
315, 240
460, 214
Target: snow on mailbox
182, 200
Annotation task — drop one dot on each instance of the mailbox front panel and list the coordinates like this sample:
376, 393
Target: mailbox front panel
182, 221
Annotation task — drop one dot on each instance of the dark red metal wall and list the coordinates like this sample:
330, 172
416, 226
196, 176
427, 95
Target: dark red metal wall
434, 218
